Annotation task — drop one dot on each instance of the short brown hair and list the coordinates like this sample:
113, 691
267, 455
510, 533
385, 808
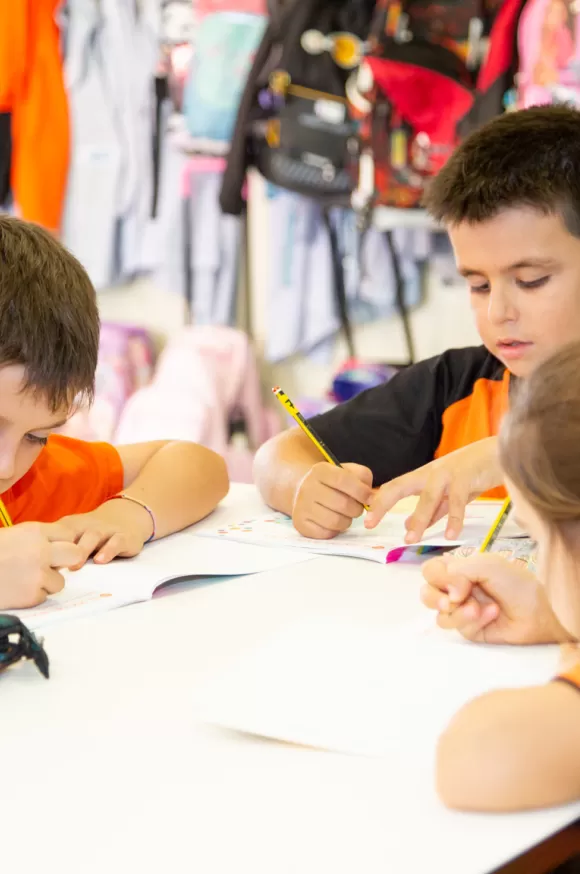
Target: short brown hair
527, 158
540, 442
49, 322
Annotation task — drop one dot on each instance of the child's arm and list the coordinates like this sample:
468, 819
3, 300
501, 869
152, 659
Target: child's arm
179, 482
512, 750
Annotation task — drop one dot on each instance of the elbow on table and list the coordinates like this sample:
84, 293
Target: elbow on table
453, 777
268, 464
470, 770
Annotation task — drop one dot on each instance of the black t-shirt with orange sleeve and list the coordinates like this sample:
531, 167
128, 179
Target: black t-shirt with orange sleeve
68, 477
424, 412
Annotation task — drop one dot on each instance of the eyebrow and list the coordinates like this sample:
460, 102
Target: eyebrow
58, 424
518, 265
48, 427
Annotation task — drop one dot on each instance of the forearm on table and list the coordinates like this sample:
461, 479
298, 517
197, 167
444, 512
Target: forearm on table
280, 466
512, 750
181, 483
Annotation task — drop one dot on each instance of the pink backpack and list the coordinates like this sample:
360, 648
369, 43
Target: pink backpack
126, 362
206, 380
549, 52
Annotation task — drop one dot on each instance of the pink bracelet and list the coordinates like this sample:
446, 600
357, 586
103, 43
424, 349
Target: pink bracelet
141, 504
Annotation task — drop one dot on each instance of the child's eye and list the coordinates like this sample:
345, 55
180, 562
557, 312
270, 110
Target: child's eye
534, 283
479, 289
38, 441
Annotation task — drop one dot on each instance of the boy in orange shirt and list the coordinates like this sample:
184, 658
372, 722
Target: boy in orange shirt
110, 501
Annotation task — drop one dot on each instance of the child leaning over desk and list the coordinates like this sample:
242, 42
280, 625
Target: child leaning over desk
520, 748
106, 501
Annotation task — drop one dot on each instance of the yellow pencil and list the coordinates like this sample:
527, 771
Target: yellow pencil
4, 515
299, 418
497, 526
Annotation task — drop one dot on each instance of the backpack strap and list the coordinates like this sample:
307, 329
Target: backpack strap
400, 302
338, 284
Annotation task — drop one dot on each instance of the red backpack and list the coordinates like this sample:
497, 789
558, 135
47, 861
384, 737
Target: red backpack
433, 72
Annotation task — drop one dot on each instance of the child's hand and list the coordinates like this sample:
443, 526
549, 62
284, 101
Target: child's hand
118, 528
445, 487
329, 498
489, 599
31, 555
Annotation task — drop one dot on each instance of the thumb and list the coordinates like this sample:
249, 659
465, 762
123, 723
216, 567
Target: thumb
65, 555
364, 474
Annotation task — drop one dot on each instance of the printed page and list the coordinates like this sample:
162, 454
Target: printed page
350, 689
376, 545
96, 588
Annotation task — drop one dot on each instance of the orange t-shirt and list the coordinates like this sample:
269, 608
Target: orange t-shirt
69, 476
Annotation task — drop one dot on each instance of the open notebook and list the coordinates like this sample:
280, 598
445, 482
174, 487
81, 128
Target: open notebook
365, 691
96, 588
383, 544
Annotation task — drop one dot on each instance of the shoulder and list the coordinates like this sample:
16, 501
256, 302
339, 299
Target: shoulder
70, 452
454, 372
458, 370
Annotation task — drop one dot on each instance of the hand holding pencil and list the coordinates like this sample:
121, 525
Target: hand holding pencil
331, 494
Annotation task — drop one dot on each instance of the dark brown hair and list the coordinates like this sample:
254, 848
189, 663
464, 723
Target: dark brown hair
49, 322
529, 158
540, 442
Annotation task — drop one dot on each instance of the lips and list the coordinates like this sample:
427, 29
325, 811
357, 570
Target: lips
511, 348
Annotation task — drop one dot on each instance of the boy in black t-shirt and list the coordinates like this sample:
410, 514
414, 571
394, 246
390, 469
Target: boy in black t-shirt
510, 200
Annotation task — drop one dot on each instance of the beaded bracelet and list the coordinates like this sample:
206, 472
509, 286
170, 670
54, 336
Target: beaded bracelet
145, 507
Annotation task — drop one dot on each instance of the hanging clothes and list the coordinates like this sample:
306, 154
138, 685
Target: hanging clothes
111, 56
32, 92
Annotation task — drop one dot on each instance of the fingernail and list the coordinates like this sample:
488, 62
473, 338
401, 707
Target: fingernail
369, 519
444, 605
412, 537
454, 594
451, 534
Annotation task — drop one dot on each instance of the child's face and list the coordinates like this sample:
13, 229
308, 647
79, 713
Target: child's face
557, 569
26, 421
523, 270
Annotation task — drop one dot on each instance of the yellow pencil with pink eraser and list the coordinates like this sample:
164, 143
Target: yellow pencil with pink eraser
308, 430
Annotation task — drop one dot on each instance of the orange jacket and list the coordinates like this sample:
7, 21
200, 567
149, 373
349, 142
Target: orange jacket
32, 90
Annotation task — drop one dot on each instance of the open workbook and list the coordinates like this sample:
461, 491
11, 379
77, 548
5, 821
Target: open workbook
95, 588
384, 544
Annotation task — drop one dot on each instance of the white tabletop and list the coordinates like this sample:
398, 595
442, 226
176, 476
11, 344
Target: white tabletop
104, 768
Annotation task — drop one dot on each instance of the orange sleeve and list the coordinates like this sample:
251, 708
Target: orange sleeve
69, 476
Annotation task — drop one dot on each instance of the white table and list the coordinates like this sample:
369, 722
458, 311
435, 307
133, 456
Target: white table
104, 769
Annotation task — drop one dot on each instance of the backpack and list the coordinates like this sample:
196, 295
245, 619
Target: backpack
227, 35
125, 364
433, 74
301, 137
293, 124
206, 389
549, 53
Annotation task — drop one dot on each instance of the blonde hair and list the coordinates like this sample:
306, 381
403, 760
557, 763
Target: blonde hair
540, 442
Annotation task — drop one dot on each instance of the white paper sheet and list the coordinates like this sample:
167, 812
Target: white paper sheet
340, 687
